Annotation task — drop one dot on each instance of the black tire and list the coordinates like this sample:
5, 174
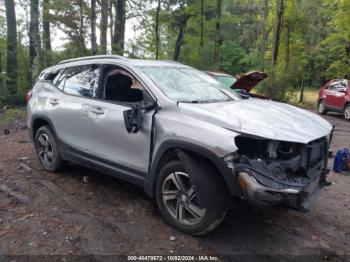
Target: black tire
49, 152
208, 222
346, 112
321, 108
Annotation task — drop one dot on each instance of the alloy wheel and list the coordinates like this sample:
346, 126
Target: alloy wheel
180, 199
321, 107
45, 149
347, 112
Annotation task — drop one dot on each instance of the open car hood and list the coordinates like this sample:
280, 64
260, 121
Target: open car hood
249, 80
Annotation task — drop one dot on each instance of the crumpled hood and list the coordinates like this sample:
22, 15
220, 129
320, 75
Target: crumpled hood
267, 119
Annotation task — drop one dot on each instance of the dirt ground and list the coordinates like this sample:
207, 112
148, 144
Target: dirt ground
80, 211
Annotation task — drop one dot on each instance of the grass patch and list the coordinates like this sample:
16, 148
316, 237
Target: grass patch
11, 116
309, 100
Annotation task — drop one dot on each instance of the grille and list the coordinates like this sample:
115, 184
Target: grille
317, 152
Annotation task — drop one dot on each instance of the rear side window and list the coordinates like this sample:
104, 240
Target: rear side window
80, 80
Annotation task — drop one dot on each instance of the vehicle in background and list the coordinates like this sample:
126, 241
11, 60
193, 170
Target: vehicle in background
243, 85
225, 79
335, 96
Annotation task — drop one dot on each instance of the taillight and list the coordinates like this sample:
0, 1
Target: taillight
28, 96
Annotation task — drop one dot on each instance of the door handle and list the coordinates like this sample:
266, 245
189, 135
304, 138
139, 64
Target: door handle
53, 101
98, 111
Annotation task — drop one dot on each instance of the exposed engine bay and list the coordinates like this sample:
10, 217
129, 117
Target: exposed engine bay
276, 167
279, 164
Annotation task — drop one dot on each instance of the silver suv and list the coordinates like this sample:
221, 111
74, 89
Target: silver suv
193, 146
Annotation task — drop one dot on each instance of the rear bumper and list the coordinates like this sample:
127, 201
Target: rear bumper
263, 196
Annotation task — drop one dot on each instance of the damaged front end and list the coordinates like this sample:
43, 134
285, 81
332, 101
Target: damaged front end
278, 173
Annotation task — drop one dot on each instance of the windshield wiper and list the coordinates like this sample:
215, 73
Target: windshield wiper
204, 101
190, 102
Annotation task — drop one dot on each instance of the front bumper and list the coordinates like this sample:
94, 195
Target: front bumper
260, 195
295, 183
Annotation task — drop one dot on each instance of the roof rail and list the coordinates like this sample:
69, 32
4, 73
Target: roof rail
92, 57
171, 61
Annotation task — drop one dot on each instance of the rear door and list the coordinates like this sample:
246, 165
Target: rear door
69, 110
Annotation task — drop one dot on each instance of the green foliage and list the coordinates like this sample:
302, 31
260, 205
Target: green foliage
11, 115
233, 58
314, 44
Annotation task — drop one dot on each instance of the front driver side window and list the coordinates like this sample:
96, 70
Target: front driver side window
122, 87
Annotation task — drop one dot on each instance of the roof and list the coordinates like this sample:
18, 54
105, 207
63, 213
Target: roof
84, 58
136, 62
145, 62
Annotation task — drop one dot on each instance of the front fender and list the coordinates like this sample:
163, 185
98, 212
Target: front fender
176, 131
218, 162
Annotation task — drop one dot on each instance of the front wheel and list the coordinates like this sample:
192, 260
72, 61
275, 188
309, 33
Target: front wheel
347, 112
178, 203
322, 107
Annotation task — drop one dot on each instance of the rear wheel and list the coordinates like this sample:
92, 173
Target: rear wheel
178, 203
346, 112
47, 150
322, 107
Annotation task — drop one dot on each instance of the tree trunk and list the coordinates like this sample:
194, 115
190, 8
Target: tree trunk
287, 52
1, 83
301, 98
111, 20
180, 38
157, 29
93, 18
11, 69
277, 31
201, 35
280, 5
265, 35
81, 48
47, 33
217, 40
119, 27
347, 50
34, 41
103, 26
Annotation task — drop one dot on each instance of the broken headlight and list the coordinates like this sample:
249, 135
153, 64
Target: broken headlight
255, 148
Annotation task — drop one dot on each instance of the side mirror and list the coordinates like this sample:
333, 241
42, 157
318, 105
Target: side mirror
133, 118
243, 93
244, 96
149, 106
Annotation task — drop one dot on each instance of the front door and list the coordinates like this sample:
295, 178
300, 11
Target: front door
113, 145
334, 98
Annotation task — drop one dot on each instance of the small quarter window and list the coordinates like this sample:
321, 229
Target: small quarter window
50, 76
